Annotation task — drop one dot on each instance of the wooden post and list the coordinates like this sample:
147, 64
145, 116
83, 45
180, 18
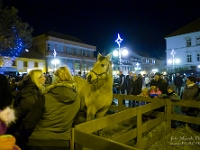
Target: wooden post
120, 103
139, 126
169, 109
72, 140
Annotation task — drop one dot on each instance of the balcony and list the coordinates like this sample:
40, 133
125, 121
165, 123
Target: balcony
67, 55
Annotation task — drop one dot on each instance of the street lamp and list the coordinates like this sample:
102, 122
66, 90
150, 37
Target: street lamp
55, 61
173, 61
121, 51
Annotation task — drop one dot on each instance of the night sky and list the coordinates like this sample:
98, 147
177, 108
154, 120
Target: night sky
142, 24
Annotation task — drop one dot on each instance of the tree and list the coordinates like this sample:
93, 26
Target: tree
15, 35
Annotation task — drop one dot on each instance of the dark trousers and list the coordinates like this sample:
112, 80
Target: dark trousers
178, 89
123, 92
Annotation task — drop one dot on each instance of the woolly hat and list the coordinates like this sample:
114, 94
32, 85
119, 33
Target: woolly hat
172, 87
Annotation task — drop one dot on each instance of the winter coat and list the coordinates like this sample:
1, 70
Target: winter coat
122, 86
52, 116
5, 93
178, 81
137, 86
25, 98
174, 97
161, 84
129, 83
190, 93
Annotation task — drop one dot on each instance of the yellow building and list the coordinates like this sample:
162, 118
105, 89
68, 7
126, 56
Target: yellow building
28, 61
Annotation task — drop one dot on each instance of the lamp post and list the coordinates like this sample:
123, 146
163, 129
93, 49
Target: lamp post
55, 61
173, 53
119, 40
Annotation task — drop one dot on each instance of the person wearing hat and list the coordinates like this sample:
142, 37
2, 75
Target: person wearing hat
122, 84
160, 83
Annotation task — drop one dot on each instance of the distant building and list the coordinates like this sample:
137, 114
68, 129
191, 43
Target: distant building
185, 43
138, 62
28, 61
71, 51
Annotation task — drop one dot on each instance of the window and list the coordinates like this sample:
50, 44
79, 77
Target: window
25, 64
64, 49
75, 51
35, 64
69, 50
55, 46
48, 47
198, 57
14, 63
188, 42
83, 52
189, 58
198, 40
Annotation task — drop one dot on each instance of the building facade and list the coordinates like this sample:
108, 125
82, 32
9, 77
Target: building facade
28, 61
70, 51
183, 47
138, 63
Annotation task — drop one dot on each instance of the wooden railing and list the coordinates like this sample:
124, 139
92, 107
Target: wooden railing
82, 133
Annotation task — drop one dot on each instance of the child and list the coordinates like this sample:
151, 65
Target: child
145, 93
154, 91
7, 142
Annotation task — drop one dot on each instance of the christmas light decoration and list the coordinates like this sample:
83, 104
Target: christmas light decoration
12, 46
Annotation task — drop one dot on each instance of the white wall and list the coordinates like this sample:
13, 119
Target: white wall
178, 43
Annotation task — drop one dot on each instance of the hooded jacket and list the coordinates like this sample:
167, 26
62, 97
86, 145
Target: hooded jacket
27, 95
52, 116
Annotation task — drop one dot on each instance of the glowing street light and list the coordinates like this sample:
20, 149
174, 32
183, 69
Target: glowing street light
124, 52
173, 60
55, 61
120, 51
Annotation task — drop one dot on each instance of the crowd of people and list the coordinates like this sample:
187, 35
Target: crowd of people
43, 114
41, 117
159, 86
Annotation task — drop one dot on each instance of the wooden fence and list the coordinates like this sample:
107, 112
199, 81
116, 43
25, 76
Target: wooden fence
82, 134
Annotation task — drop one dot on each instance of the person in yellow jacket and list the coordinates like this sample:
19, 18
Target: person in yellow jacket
7, 141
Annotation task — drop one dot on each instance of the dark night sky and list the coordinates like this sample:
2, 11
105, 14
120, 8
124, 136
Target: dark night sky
142, 24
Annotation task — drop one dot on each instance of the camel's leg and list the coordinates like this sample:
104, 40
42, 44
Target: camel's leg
91, 111
102, 112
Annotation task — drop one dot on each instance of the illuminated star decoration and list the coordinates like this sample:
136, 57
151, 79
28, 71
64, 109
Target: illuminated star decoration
54, 53
118, 40
137, 64
173, 53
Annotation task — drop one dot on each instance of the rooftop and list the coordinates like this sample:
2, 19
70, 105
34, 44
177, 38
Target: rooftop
63, 36
191, 27
31, 54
